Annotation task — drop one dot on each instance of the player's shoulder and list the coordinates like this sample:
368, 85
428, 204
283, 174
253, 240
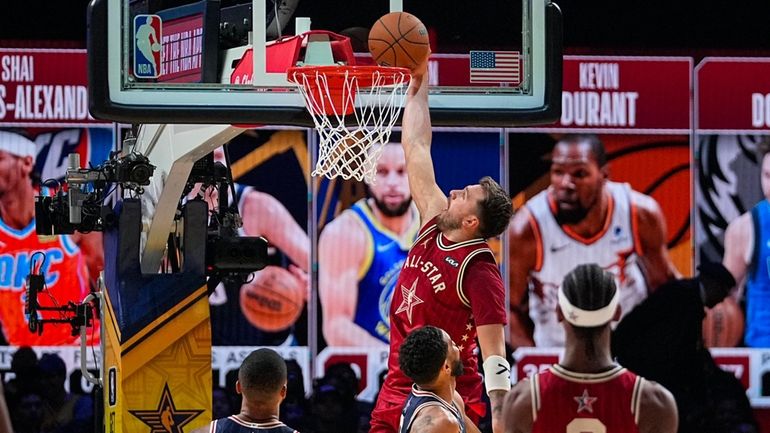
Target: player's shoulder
520, 227
348, 222
656, 403
644, 202
435, 419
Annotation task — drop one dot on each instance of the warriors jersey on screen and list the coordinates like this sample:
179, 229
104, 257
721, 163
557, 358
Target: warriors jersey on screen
615, 248
233, 424
431, 290
565, 401
419, 400
66, 279
377, 277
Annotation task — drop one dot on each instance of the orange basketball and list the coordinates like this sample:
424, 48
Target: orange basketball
723, 324
274, 299
399, 39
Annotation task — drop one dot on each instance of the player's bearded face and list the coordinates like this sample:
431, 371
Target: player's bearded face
576, 185
457, 368
391, 209
446, 221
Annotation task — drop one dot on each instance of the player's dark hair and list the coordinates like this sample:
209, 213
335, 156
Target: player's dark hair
763, 148
495, 210
262, 373
593, 141
422, 354
589, 287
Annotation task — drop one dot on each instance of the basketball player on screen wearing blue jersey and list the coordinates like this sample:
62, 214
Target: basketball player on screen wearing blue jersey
262, 383
431, 359
747, 257
360, 254
582, 217
586, 392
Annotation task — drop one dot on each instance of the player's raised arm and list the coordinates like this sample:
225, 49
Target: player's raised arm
416, 138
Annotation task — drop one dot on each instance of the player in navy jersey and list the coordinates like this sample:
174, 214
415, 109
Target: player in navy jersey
262, 383
431, 359
360, 256
587, 392
450, 278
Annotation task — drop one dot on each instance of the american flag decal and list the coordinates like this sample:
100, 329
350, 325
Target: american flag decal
495, 67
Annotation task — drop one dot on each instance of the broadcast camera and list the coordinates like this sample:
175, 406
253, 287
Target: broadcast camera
82, 207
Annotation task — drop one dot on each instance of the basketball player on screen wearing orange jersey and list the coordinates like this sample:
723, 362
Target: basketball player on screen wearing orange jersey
450, 278
71, 261
587, 392
582, 217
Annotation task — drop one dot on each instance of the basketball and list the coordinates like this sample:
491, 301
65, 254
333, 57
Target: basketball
399, 39
723, 324
274, 299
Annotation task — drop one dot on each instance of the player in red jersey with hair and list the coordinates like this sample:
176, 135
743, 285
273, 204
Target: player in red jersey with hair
587, 392
450, 279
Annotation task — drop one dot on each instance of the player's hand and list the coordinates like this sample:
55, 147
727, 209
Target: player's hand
301, 279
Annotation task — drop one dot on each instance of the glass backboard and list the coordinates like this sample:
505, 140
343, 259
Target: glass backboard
182, 61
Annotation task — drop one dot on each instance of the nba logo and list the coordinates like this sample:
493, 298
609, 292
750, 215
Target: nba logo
148, 46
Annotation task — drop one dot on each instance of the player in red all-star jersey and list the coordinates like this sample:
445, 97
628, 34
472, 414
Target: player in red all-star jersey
587, 391
450, 279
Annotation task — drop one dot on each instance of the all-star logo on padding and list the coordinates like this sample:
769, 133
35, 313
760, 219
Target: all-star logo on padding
166, 418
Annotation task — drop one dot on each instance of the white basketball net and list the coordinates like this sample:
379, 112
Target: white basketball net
351, 150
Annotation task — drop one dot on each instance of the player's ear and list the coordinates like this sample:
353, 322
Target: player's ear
237, 386
618, 313
283, 392
471, 221
605, 171
28, 163
559, 313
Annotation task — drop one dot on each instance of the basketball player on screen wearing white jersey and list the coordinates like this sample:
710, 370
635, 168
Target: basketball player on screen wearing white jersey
587, 392
582, 217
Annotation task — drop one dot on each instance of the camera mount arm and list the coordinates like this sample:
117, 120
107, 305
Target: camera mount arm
173, 149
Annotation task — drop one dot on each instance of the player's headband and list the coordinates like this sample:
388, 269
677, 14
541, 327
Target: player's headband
16, 144
585, 318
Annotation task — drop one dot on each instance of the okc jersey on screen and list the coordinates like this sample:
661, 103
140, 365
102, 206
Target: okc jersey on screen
148, 46
377, 278
66, 279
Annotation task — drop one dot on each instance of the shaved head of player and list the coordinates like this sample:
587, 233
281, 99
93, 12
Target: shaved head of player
587, 391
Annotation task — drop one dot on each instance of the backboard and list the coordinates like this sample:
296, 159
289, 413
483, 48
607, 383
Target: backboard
495, 63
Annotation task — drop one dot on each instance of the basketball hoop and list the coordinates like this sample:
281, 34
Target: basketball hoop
369, 97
